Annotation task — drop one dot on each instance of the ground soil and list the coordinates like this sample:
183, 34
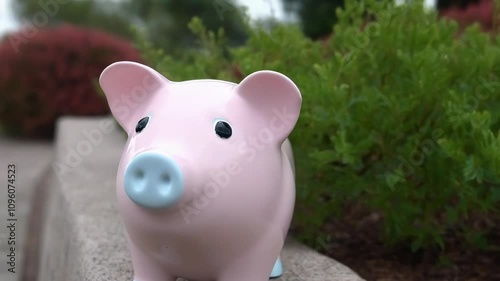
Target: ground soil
355, 243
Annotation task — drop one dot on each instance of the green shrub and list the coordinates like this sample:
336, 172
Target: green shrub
398, 115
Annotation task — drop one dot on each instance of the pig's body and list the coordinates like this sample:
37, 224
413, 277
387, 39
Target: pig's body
166, 241
236, 195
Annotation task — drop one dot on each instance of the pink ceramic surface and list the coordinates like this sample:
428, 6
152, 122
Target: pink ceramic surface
206, 184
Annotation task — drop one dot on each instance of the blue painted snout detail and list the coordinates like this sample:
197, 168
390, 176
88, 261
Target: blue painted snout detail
153, 180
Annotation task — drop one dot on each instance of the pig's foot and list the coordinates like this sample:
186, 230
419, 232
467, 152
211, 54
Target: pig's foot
146, 268
245, 277
256, 269
168, 279
277, 270
144, 272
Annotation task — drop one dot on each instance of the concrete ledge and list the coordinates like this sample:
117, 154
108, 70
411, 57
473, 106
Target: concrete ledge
31, 159
83, 235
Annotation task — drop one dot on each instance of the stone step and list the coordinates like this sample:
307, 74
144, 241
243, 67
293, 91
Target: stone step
83, 234
8, 277
31, 159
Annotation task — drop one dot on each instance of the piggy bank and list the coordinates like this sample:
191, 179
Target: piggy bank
206, 182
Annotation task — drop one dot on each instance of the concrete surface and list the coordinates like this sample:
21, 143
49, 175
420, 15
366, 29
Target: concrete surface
31, 159
83, 236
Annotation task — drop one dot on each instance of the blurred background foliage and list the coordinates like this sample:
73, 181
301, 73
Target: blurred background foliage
164, 23
105, 15
316, 16
162, 20
53, 73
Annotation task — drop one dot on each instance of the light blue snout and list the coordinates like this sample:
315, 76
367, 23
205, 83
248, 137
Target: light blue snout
153, 180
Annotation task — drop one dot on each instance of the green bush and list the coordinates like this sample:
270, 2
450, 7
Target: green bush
398, 115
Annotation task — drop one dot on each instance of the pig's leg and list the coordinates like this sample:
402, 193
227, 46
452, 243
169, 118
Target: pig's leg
146, 268
249, 271
255, 265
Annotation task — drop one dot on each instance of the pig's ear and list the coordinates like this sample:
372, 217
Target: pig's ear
128, 87
275, 97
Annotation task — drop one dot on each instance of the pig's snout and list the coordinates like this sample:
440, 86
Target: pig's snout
153, 180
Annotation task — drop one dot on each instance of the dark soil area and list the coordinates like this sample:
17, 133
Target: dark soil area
355, 243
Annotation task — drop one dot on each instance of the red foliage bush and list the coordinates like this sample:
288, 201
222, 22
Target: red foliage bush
481, 13
53, 72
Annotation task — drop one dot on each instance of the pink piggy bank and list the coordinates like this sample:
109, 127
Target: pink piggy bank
206, 182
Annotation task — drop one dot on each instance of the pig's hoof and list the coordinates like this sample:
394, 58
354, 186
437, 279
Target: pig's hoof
277, 270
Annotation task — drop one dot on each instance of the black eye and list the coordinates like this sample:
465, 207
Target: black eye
141, 124
223, 130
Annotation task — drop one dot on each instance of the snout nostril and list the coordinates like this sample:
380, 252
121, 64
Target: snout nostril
165, 178
139, 174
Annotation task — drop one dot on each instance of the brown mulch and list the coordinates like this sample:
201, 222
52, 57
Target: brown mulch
354, 242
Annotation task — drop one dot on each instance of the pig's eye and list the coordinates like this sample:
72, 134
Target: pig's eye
223, 129
141, 124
